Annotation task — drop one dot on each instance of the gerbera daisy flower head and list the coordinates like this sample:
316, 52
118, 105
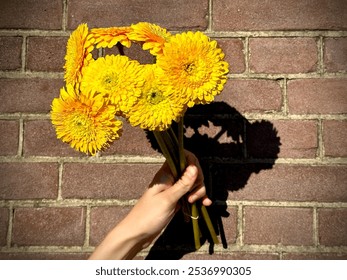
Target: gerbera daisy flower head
159, 105
151, 35
84, 121
109, 37
115, 77
194, 65
78, 53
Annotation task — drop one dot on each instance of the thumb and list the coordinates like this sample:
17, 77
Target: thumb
184, 184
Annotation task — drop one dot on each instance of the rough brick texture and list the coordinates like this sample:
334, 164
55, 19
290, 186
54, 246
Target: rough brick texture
277, 15
48, 226
283, 55
272, 146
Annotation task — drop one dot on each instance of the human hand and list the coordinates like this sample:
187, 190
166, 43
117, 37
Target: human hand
153, 211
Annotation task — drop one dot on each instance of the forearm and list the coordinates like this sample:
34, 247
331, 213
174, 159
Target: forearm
119, 244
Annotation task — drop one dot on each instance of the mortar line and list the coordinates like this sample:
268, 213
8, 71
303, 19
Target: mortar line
20, 138
64, 16
247, 57
10, 226
315, 227
23, 53
320, 54
60, 181
285, 101
241, 224
320, 140
87, 227
210, 16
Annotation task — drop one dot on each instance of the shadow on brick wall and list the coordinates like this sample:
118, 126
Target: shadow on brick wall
230, 149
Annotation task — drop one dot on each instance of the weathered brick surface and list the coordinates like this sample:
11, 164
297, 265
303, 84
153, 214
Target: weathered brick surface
44, 256
252, 95
290, 183
28, 180
10, 53
4, 219
132, 142
332, 226
234, 54
283, 55
40, 140
46, 53
285, 226
83, 180
49, 226
9, 133
335, 54
298, 138
272, 146
28, 95
31, 14
317, 96
277, 15
178, 14
103, 219
335, 138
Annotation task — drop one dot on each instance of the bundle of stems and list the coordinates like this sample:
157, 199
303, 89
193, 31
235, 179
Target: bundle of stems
172, 148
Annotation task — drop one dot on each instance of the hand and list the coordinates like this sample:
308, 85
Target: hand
153, 211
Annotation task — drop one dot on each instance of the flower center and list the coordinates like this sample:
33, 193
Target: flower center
189, 68
155, 97
110, 81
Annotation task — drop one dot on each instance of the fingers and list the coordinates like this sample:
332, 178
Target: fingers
184, 184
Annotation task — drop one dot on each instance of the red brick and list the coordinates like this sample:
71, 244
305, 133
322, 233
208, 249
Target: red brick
46, 53
44, 256
278, 15
283, 55
169, 14
288, 183
134, 52
132, 142
49, 226
230, 226
4, 219
9, 137
103, 219
28, 95
317, 96
315, 256
282, 226
10, 53
332, 227
335, 138
107, 180
252, 95
234, 54
232, 256
28, 180
40, 140
335, 54
31, 14
298, 138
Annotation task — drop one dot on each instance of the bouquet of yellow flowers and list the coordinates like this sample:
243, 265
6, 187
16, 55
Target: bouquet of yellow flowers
100, 92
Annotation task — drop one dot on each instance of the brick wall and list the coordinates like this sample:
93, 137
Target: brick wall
273, 145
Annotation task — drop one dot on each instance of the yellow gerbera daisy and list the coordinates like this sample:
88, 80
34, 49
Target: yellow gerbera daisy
158, 105
116, 77
195, 66
87, 123
151, 35
78, 53
109, 37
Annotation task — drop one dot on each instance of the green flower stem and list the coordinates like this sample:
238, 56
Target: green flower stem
183, 162
196, 230
158, 136
208, 222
